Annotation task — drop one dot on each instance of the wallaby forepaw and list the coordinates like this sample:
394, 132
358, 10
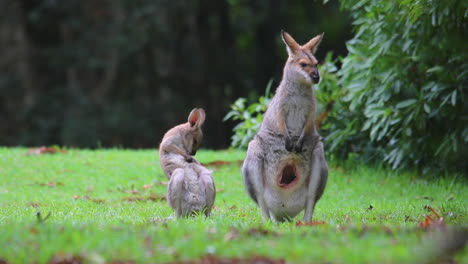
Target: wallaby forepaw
289, 144
298, 147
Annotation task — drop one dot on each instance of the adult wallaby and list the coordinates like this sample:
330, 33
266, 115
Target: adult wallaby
191, 188
285, 170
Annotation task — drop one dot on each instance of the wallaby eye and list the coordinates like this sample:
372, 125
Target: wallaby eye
303, 65
195, 142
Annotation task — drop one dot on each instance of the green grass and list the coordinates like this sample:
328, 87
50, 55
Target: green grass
100, 210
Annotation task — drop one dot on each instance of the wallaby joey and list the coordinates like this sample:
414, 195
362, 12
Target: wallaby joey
191, 188
285, 170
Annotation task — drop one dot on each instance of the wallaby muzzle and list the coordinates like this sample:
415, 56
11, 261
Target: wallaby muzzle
315, 76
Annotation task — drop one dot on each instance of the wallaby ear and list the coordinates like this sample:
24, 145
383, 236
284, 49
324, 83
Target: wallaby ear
193, 117
313, 44
196, 117
291, 44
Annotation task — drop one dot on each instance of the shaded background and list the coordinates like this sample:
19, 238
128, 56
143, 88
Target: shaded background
86, 73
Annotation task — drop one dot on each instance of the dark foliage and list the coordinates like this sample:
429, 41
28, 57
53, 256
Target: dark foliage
120, 73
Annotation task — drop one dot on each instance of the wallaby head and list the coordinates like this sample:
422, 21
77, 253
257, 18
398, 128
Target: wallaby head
301, 65
194, 133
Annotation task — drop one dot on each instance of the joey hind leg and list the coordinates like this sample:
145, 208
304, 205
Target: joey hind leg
175, 189
206, 179
253, 174
317, 182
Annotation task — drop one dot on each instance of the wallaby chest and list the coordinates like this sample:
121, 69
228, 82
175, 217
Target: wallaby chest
296, 109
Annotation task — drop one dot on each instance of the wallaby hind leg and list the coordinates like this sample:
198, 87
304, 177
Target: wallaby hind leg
175, 191
317, 182
206, 179
253, 173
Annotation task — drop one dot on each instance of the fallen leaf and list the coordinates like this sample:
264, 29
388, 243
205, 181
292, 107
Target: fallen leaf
49, 184
431, 221
147, 186
370, 208
62, 258
221, 163
33, 230
98, 201
2, 261
425, 198
219, 190
45, 150
313, 223
211, 259
152, 197
232, 207
76, 196
162, 183
34, 204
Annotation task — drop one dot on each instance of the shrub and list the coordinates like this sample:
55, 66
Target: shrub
405, 80
250, 117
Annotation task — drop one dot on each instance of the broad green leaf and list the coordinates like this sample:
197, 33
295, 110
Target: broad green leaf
406, 103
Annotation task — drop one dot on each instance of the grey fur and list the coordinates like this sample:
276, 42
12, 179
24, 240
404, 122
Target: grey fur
191, 188
288, 138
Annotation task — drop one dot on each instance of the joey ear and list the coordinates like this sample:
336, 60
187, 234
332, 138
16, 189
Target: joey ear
196, 117
201, 120
291, 44
193, 117
313, 44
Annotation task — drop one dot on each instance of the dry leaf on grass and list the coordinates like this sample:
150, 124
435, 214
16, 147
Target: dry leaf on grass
62, 258
147, 186
49, 184
432, 221
313, 223
210, 259
44, 150
153, 197
221, 163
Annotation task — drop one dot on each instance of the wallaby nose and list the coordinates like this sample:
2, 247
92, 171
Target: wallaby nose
194, 152
315, 77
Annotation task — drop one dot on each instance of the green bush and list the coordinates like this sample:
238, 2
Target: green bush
405, 80
250, 115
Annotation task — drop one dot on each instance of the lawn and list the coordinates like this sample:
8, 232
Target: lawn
109, 205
